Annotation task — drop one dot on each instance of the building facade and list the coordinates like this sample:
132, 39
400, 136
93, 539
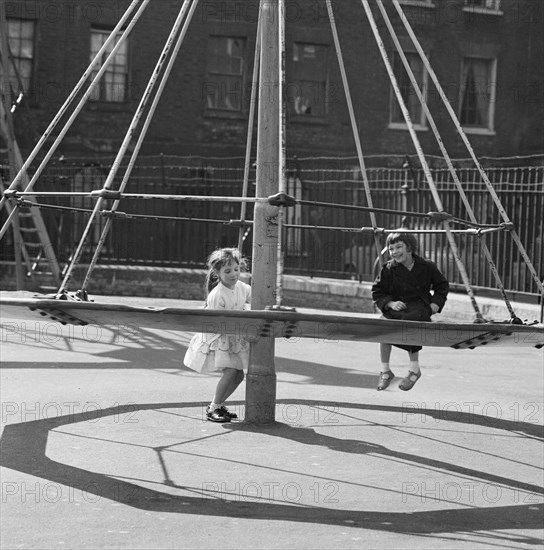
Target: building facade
487, 54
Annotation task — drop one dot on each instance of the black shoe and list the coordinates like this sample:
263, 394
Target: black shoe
227, 413
385, 379
216, 415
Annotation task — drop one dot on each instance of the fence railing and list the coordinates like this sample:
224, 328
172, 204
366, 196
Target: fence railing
178, 233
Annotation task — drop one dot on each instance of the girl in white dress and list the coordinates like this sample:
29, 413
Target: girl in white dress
228, 354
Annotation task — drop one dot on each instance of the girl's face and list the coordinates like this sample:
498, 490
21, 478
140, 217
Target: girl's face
400, 252
229, 274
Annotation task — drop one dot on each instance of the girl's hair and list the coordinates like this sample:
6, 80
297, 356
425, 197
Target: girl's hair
216, 260
399, 237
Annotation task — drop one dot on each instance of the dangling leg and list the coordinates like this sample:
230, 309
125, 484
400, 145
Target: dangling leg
385, 355
414, 361
414, 372
386, 374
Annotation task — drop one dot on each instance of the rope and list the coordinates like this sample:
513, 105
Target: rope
108, 194
470, 150
122, 150
423, 161
433, 216
488, 228
380, 230
354, 128
126, 215
415, 85
256, 61
282, 187
185, 13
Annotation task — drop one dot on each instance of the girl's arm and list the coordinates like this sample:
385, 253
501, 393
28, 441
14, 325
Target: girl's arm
216, 301
440, 287
381, 289
248, 296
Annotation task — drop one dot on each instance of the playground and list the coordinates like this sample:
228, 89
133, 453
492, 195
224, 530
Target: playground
105, 445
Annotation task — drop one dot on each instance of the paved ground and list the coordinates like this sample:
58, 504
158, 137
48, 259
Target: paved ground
104, 446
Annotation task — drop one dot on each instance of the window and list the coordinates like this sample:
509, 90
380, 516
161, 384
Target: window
21, 34
307, 94
407, 91
223, 89
478, 93
113, 84
494, 5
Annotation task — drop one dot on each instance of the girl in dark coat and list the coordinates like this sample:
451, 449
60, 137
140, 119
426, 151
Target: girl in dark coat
411, 288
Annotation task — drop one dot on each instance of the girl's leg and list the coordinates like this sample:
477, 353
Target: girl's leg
385, 372
237, 380
385, 356
230, 380
414, 373
414, 361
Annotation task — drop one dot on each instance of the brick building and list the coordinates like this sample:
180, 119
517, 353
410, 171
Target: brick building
488, 55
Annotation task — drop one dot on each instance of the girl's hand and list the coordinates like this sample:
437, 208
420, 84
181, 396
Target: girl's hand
396, 306
434, 308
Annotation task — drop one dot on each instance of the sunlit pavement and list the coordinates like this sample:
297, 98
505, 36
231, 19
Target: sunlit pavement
105, 445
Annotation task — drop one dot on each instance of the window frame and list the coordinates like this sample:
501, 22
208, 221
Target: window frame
218, 110
102, 87
491, 84
326, 85
472, 7
422, 123
14, 72
419, 3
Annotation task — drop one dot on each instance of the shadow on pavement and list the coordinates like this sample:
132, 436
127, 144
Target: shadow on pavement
23, 449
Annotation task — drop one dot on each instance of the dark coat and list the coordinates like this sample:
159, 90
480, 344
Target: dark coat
424, 283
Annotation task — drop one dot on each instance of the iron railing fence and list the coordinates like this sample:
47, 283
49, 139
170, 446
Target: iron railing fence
174, 235
520, 190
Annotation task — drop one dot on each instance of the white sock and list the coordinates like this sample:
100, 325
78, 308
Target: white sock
385, 367
414, 366
214, 406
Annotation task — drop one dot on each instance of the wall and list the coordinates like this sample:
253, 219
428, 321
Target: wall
181, 126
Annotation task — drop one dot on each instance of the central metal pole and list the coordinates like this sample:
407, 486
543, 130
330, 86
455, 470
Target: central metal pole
261, 377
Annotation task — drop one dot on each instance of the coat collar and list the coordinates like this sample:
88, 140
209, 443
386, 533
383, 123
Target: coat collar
418, 260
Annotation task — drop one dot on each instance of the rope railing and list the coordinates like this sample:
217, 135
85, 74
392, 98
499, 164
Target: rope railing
278, 199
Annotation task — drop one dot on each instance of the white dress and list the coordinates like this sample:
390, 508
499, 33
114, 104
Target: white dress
213, 352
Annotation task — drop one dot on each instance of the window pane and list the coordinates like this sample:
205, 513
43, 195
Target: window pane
224, 92
21, 44
114, 80
27, 49
477, 92
25, 70
226, 65
487, 4
307, 92
407, 91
